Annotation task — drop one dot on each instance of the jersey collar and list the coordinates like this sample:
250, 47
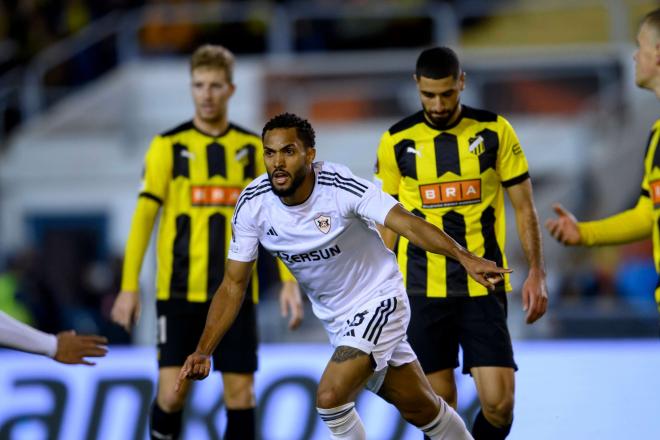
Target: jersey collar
199, 130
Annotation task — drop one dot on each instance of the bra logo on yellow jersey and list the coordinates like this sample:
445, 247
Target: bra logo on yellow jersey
655, 192
440, 195
210, 195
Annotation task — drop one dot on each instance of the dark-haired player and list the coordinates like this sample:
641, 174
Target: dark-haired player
451, 164
193, 175
323, 218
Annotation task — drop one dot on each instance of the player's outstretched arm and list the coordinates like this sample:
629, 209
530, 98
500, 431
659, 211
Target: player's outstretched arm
66, 347
624, 227
224, 307
389, 236
432, 239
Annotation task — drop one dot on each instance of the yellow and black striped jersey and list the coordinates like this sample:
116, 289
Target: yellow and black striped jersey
454, 178
197, 177
651, 189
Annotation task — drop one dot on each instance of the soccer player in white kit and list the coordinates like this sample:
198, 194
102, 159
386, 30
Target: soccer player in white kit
320, 220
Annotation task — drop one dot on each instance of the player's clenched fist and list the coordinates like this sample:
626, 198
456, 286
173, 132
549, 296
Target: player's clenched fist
196, 367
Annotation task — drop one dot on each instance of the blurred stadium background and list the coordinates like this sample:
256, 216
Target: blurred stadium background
85, 84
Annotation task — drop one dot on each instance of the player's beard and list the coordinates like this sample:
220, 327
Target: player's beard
441, 121
296, 180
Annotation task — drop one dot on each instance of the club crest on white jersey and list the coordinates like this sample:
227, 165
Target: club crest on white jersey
323, 223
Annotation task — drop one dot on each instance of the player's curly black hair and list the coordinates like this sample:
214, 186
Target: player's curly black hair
289, 120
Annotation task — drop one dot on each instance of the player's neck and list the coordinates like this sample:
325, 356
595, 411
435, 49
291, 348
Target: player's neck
212, 128
456, 115
302, 193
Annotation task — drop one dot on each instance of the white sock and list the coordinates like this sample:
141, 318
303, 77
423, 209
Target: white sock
447, 425
344, 422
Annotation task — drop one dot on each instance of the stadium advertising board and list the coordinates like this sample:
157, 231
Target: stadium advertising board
564, 390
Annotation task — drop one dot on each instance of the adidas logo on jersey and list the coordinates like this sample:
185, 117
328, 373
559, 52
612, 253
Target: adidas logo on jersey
272, 232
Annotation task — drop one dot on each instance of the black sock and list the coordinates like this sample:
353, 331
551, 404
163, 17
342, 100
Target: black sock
240, 424
164, 425
483, 430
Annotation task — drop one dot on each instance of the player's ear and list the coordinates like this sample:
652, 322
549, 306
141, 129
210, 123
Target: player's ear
461, 80
310, 155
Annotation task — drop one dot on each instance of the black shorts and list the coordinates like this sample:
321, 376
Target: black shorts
180, 325
478, 324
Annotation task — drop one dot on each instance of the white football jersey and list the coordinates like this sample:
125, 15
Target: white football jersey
329, 242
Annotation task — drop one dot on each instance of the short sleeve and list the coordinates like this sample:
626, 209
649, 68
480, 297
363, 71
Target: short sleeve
386, 171
244, 245
367, 199
375, 204
157, 170
512, 164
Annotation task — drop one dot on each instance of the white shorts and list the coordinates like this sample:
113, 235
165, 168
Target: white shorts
378, 328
